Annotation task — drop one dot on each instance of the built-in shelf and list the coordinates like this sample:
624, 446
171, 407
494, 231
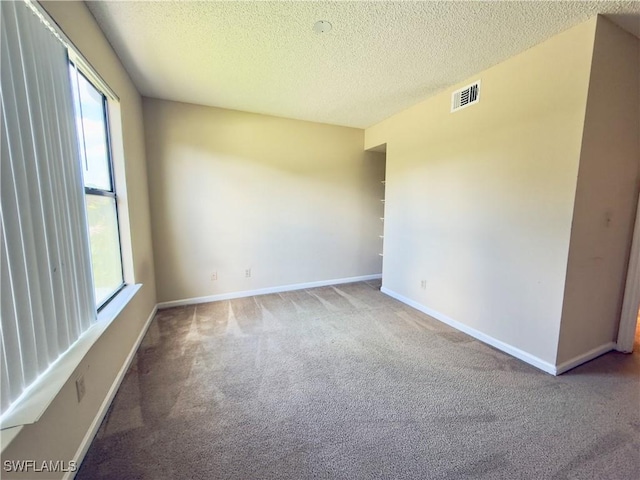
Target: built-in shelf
382, 201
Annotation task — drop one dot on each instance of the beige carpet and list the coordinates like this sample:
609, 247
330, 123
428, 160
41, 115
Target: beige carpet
346, 383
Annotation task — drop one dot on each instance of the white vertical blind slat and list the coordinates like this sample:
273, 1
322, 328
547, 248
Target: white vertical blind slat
43, 108
15, 206
14, 381
29, 190
79, 221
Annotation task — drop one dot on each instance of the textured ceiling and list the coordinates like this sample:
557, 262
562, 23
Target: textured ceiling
379, 58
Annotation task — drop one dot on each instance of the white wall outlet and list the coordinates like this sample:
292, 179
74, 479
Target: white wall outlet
423, 284
214, 276
247, 273
80, 388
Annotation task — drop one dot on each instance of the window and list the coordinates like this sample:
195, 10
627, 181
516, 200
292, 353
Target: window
100, 196
60, 255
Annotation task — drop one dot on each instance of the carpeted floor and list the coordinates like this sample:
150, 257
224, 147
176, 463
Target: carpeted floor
346, 383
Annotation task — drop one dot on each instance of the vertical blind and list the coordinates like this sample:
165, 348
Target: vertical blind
46, 281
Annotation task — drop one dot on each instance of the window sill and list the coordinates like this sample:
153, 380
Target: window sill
112, 309
37, 398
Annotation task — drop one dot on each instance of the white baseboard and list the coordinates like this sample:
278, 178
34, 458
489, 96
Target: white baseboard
265, 291
483, 337
585, 357
102, 411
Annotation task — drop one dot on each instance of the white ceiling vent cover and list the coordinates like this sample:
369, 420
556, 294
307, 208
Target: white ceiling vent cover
466, 96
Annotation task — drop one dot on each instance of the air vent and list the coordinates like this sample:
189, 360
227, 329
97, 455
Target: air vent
465, 96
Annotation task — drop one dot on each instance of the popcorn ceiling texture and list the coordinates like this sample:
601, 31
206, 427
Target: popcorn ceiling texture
379, 58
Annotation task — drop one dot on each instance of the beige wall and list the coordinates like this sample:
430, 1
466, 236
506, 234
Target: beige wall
59, 433
479, 203
606, 197
294, 201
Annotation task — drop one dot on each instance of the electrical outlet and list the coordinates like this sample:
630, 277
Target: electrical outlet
247, 273
423, 284
80, 388
214, 276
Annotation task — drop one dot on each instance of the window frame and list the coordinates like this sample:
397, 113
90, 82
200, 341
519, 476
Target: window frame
112, 193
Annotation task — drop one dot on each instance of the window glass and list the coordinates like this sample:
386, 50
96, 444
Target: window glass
92, 128
105, 246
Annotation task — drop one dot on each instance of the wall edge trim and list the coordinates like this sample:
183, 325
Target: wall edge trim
102, 411
585, 357
483, 337
265, 291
